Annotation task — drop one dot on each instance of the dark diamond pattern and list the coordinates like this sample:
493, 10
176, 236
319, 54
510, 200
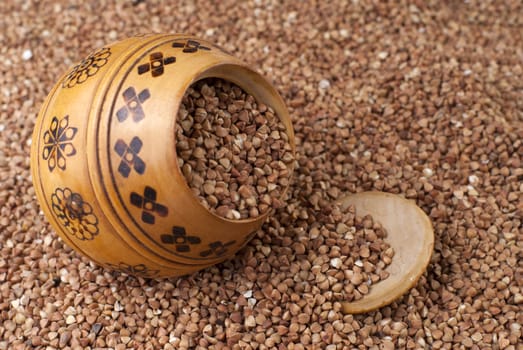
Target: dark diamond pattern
190, 46
133, 104
156, 64
148, 204
129, 156
180, 239
217, 248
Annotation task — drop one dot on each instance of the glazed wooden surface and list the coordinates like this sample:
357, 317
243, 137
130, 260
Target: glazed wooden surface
104, 159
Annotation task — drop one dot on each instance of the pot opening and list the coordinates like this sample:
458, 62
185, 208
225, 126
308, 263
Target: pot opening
235, 152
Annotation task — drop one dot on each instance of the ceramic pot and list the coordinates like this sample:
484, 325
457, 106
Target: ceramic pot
104, 160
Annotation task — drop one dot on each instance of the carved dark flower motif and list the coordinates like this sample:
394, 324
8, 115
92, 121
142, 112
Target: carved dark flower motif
74, 214
149, 205
180, 239
217, 249
58, 143
87, 68
190, 46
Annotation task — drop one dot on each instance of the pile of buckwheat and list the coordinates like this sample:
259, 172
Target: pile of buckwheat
421, 98
233, 151
341, 254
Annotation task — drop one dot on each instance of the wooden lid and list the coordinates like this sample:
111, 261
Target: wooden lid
409, 232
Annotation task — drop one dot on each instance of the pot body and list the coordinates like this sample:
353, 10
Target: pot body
104, 161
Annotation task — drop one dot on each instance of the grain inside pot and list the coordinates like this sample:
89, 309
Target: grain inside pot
233, 151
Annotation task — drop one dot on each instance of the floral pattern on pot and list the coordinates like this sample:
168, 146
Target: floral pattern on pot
88, 67
58, 143
133, 104
74, 214
129, 156
217, 249
180, 239
190, 46
149, 205
156, 64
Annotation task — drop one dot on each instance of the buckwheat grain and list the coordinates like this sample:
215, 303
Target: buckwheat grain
233, 151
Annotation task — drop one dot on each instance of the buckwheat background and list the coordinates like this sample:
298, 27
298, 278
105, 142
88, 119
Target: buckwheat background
421, 98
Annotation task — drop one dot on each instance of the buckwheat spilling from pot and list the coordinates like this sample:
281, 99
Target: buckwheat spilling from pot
341, 254
233, 151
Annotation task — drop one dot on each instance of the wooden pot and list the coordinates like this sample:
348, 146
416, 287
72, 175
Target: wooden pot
104, 160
